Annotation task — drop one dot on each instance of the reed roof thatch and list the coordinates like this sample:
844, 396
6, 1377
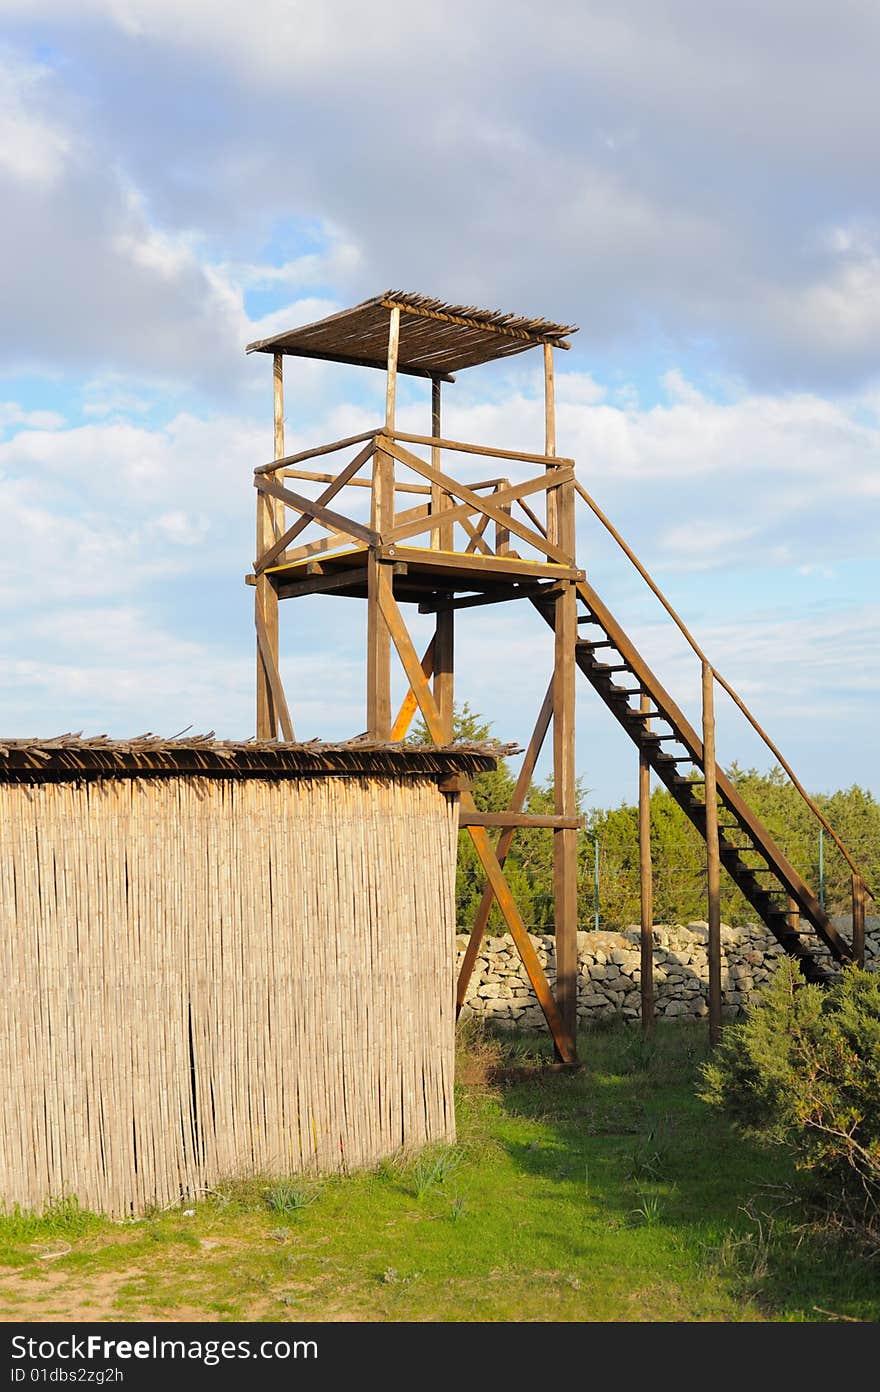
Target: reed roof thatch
436, 339
72, 756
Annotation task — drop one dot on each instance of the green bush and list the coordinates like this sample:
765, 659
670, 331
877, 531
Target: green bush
803, 1071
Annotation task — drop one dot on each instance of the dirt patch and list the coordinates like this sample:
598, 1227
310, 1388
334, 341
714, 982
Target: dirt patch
40, 1296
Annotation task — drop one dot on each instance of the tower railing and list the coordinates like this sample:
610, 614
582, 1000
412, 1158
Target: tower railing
494, 518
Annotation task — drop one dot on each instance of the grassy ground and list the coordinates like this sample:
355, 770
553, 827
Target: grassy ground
612, 1194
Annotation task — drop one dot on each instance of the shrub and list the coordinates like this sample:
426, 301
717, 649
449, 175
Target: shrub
803, 1071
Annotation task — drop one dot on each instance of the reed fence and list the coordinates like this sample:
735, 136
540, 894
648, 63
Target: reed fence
204, 977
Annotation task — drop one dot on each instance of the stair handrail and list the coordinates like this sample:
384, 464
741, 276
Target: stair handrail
686, 633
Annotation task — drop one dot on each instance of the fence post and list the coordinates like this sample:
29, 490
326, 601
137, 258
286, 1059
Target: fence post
596, 885
822, 867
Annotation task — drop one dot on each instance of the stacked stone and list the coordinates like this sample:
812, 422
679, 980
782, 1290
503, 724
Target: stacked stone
609, 973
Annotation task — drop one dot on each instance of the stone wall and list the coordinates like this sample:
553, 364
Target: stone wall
609, 975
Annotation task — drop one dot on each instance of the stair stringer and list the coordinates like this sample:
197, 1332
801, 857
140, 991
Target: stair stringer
762, 842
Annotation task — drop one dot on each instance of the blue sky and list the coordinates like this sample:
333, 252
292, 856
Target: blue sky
691, 184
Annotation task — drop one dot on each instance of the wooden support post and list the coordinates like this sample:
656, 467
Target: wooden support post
549, 402
444, 635
561, 514
442, 537
565, 805
379, 583
502, 534
270, 665
713, 860
646, 884
858, 920
391, 379
561, 531
444, 661
379, 576
270, 514
550, 437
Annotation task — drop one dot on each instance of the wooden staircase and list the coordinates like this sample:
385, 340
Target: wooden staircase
781, 898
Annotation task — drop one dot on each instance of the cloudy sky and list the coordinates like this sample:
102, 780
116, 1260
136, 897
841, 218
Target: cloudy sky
695, 185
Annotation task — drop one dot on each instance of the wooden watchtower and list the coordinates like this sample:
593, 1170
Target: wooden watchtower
408, 521
459, 544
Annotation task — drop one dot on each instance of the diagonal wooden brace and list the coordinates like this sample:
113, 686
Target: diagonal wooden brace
565, 1044
500, 498
314, 512
505, 841
409, 706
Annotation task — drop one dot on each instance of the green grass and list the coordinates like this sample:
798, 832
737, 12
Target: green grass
611, 1194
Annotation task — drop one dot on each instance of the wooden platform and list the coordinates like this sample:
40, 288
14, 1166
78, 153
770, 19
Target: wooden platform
420, 575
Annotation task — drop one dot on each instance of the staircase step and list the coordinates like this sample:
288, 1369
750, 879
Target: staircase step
600, 669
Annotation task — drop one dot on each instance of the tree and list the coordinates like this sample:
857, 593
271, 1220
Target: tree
803, 1071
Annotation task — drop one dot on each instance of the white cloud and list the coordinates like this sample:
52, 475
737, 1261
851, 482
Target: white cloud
88, 279
678, 389
12, 414
660, 172
335, 264
33, 148
706, 542
111, 395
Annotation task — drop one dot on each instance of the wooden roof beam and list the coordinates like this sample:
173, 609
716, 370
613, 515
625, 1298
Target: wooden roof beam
268, 345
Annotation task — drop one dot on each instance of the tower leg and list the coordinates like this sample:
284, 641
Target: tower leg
378, 652
443, 669
565, 841
379, 590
